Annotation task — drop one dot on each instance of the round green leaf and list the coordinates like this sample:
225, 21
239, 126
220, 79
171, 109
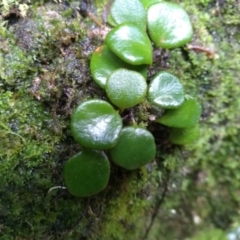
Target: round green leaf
104, 62
148, 3
87, 173
96, 124
169, 25
135, 148
166, 91
126, 88
130, 43
185, 116
183, 136
123, 11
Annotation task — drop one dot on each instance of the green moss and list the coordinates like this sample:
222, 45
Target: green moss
129, 206
43, 75
209, 178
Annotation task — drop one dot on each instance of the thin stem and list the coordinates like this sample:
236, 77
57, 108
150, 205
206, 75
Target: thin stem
56, 187
8, 131
91, 16
209, 52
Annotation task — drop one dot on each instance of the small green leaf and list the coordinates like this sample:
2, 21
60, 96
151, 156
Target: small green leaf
126, 88
111, 21
96, 124
131, 44
135, 148
87, 173
148, 3
169, 25
183, 136
104, 62
123, 11
166, 91
185, 116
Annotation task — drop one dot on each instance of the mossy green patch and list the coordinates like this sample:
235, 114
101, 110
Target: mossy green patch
42, 68
212, 163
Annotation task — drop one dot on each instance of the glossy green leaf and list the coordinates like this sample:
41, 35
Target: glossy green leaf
87, 173
126, 88
135, 148
104, 62
123, 11
185, 116
96, 124
130, 43
165, 90
183, 136
148, 3
111, 21
169, 25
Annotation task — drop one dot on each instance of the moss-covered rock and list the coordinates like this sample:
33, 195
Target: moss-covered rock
44, 73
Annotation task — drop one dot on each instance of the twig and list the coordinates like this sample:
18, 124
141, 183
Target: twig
56, 187
210, 53
157, 206
92, 17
